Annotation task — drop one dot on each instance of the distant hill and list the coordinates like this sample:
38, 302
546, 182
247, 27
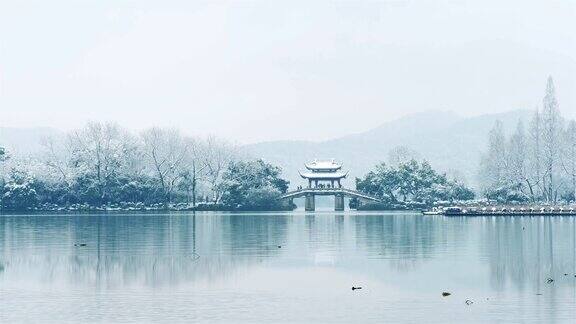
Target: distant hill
451, 143
25, 141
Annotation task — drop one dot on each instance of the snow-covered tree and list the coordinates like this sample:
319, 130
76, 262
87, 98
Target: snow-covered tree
56, 156
551, 132
518, 173
532, 164
3, 154
534, 154
194, 168
97, 153
165, 152
19, 191
411, 182
216, 156
103, 164
253, 185
494, 163
569, 155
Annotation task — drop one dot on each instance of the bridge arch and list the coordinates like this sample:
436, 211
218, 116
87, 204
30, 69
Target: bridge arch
324, 179
339, 193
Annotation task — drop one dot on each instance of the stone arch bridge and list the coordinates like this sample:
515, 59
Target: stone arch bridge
338, 193
324, 179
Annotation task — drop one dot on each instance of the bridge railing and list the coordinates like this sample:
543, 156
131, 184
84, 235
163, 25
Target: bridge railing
315, 190
335, 190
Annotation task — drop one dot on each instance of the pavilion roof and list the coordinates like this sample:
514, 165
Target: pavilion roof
323, 175
323, 165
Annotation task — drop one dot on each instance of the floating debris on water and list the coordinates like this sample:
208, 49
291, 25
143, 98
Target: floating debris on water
80, 244
446, 294
354, 288
469, 302
549, 280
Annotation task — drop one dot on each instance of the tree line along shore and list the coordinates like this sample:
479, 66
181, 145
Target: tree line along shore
95, 169
103, 166
536, 164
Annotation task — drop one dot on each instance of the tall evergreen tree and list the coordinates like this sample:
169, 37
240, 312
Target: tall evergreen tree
540, 163
569, 155
551, 130
494, 163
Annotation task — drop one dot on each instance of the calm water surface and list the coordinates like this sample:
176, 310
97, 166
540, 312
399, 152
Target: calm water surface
221, 267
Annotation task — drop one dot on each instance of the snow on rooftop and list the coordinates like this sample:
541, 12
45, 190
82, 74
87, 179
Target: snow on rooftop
326, 165
323, 175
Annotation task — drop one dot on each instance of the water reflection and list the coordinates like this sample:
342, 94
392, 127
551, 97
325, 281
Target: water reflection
405, 254
160, 249
526, 251
405, 239
147, 249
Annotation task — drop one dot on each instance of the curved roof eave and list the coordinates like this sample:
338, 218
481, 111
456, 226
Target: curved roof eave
321, 176
335, 167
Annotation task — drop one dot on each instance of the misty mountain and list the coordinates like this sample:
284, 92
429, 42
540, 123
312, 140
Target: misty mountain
26, 141
451, 143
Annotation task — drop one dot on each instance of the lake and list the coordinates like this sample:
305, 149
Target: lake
286, 267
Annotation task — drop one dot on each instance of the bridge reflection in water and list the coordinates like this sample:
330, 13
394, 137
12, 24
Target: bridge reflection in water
282, 267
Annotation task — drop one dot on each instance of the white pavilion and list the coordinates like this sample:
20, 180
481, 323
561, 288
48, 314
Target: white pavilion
323, 174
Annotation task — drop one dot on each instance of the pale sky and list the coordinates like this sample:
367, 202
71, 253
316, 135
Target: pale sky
263, 70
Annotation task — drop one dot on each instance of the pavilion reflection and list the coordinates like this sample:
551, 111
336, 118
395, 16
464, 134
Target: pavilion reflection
158, 250
204, 248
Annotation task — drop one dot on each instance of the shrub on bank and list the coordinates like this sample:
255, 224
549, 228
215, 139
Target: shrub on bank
410, 185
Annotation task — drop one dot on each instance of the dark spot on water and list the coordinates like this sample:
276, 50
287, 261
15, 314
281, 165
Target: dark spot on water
469, 302
279, 246
354, 288
446, 294
80, 244
549, 280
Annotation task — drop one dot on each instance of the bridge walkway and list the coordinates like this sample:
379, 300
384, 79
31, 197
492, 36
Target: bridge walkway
338, 193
